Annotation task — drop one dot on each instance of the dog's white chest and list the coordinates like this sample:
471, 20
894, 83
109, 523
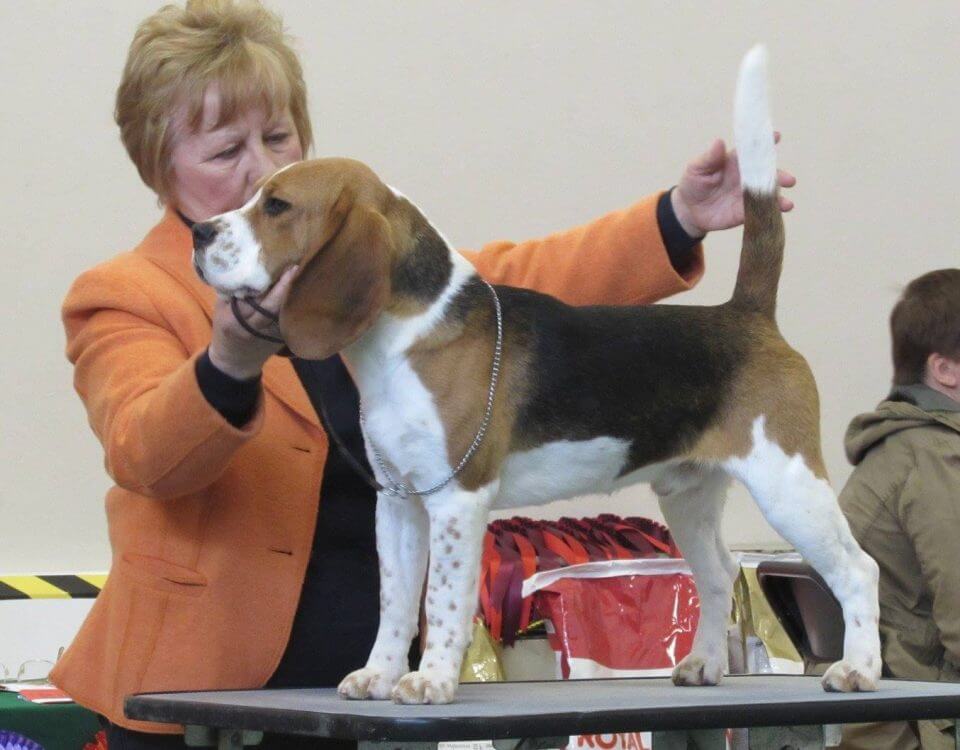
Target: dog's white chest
402, 424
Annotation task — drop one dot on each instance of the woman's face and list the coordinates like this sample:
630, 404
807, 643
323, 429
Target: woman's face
215, 169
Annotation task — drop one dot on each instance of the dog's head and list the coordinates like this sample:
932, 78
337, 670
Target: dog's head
328, 216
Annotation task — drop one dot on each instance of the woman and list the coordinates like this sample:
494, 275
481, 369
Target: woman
227, 572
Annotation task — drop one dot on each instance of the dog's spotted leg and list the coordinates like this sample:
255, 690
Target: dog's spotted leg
402, 549
458, 520
803, 509
692, 503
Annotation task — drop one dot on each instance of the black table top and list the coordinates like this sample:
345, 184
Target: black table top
545, 709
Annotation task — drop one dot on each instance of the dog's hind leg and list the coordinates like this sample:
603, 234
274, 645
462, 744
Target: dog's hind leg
803, 508
692, 501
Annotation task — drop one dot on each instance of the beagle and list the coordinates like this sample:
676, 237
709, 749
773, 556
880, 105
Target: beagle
476, 397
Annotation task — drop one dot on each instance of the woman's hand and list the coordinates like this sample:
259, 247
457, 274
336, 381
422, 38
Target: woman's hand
708, 196
234, 350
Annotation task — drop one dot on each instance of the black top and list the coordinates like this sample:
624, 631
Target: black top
339, 609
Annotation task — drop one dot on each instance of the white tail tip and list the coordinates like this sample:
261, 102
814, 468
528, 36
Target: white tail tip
752, 129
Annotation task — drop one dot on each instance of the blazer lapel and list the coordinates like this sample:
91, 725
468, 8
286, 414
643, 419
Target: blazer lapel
282, 381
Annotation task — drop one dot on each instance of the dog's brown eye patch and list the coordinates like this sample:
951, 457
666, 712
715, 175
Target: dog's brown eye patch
274, 206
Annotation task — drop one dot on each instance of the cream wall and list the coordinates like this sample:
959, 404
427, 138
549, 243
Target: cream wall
502, 120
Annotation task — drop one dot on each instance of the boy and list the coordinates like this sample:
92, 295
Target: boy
903, 503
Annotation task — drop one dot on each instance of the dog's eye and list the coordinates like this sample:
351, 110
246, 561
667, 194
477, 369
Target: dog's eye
275, 206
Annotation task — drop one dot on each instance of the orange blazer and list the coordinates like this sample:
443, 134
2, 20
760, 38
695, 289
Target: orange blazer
211, 525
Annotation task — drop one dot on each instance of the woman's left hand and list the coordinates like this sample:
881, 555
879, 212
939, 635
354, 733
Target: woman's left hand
708, 196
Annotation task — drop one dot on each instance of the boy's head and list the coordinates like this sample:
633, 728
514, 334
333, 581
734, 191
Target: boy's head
925, 328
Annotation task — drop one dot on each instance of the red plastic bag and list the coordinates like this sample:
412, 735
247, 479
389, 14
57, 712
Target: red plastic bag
621, 618
618, 618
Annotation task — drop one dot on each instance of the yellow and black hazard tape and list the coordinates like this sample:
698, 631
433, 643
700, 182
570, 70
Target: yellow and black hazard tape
74, 586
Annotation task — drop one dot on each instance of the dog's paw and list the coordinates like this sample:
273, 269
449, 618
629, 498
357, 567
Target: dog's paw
844, 677
366, 683
425, 687
698, 670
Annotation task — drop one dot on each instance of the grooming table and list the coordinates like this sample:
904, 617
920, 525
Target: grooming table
781, 710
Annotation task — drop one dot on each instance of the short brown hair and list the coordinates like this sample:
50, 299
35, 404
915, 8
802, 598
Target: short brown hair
925, 321
177, 53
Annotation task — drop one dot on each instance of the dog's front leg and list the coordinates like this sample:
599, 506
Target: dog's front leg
402, 549
457, 523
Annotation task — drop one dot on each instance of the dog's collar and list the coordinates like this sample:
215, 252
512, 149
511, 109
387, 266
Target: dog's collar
396, 487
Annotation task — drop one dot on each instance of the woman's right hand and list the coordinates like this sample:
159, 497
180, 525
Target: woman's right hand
234, 350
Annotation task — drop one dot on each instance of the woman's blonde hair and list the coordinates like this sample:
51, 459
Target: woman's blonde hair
177, 53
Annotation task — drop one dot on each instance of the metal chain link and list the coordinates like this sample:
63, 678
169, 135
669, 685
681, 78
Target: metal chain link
397, 488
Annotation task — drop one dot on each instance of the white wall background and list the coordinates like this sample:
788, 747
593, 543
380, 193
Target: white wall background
502, 120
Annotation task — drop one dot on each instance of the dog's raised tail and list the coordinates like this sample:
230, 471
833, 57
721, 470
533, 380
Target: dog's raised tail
761, 256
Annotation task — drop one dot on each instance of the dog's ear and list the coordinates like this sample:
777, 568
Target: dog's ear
340, 290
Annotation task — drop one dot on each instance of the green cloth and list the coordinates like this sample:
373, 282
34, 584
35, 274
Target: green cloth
55, 726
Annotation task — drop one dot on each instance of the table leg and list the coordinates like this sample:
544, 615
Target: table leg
809, 737
697, 739
222, 739
526, 743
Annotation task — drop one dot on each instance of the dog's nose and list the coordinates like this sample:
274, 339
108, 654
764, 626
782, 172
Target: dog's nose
203, 234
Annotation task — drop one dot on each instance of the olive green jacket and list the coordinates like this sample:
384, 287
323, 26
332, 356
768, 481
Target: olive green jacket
903, 504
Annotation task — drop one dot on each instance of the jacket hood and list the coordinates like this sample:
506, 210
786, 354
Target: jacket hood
905, 408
